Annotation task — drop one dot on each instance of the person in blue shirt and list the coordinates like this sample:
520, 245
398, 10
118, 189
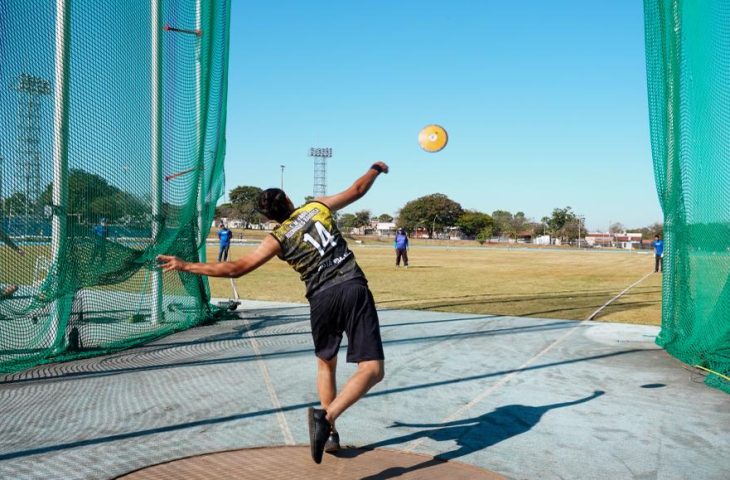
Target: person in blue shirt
8, 290
658, 245
101, 233
225, 236
401, 248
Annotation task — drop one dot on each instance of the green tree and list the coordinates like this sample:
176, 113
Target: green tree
91, 197
362, 218
433, 212
616, 227
648, 233
347, 222
564, 223
559, 220
519, 223
243, 200
484, 235
385, 218
502, 223
472, 222
117, 205
655, 229
224, 210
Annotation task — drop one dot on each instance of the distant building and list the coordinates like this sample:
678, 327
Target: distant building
420, 232
625, 240
628, 240
542, 240
599, 239
385, 228
229, 222
455, 233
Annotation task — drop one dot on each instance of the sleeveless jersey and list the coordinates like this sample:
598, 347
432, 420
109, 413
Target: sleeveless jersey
313, 246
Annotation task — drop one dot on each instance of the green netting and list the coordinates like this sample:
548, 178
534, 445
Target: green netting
112, 121
688, 68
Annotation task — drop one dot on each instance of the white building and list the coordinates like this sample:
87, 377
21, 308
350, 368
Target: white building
229, 222
385, 228
542, 240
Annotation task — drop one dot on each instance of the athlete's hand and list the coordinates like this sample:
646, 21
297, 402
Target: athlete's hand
170, 263
382, 165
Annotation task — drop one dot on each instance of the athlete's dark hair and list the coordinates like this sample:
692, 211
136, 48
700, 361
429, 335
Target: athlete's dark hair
273, 205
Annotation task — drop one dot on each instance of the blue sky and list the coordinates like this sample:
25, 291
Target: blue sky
545, 102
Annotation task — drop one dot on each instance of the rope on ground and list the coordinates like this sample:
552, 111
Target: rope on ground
595, 314
713, 372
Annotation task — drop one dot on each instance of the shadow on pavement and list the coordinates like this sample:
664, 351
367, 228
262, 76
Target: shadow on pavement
471, 434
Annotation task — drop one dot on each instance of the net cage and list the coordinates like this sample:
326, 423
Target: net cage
112, 121
688, 70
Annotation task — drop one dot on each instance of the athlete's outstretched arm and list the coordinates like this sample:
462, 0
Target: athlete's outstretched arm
265, 252
357, 190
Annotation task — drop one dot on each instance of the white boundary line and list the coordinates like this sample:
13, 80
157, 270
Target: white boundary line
594, 314
280, 417
504, 380
458, 412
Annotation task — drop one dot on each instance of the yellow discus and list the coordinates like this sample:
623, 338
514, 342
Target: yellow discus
433, 138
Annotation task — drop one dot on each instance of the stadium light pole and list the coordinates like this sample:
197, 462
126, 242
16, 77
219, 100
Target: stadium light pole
156, 150
60, 156
202, 254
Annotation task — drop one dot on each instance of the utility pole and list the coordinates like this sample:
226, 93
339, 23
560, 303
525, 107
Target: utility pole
282, 176
580, 223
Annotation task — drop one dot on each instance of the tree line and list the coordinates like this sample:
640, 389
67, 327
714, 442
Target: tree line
435, 213
90, 198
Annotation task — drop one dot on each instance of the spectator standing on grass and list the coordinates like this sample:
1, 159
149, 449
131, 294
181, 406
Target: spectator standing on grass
658, 245
401, 248
101, 233
8, 291
224, 235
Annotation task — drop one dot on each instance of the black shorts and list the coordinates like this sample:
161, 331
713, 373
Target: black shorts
348, 307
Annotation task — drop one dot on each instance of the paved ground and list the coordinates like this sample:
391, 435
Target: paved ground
287, 463
525, 398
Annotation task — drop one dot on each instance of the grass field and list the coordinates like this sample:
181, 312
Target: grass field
544, 283
458, 277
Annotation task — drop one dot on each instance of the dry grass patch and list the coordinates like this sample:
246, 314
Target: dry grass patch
526, 282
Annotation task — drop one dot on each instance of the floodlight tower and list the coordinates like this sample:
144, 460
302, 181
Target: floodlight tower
320, 169
31, 89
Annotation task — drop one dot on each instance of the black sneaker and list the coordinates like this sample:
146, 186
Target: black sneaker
319, 431
333, 443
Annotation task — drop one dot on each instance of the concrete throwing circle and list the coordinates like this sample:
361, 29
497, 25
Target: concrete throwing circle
273, 463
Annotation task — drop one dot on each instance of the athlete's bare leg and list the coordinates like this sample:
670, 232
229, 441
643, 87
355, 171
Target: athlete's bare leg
368, 373
326, 382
